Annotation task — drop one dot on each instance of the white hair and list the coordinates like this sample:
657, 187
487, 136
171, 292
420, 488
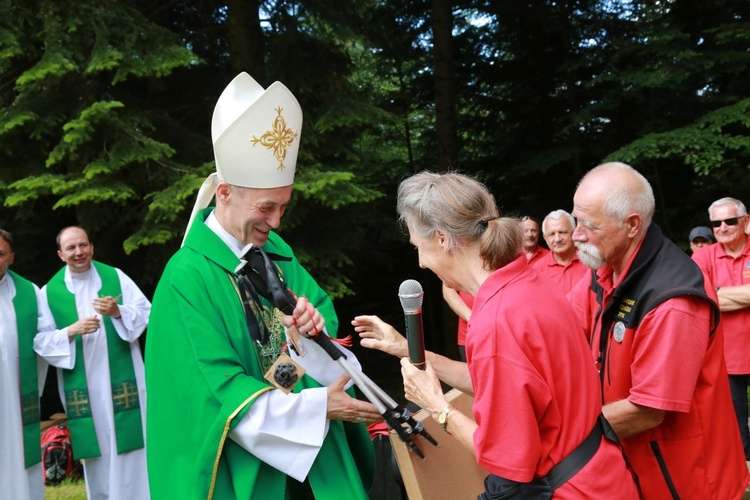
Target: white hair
558, 214
741, 210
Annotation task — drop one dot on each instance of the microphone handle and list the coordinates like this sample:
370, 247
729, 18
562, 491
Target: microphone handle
415, 339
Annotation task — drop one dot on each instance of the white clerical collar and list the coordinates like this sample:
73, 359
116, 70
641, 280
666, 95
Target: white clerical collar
80, 276
233, 243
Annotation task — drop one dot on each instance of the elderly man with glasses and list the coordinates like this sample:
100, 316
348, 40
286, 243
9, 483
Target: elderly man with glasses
727, 265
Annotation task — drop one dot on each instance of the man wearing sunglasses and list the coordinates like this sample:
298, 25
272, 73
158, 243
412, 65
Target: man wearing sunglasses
727, 265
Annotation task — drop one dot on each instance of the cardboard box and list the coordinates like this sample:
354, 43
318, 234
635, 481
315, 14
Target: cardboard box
447, 472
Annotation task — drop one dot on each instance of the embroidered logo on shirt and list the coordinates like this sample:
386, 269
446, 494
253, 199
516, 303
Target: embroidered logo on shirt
625, 310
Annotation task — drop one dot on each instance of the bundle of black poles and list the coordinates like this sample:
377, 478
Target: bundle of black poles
257, 276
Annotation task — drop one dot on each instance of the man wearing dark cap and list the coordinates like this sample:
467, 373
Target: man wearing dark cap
700, 236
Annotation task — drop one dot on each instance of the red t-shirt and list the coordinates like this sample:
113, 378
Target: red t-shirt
536, 389
565, 277
669, 362
724, 270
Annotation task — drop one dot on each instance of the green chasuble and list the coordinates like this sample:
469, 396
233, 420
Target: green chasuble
203, 372
26, 308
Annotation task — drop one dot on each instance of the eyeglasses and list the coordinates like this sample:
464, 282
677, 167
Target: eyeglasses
732, 221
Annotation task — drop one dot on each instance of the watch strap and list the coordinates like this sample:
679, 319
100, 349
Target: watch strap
443, 417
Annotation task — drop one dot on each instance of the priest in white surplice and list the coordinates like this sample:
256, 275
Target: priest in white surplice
101, 313
22, 376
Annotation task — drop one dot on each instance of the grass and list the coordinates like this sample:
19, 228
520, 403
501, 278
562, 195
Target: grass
70, 489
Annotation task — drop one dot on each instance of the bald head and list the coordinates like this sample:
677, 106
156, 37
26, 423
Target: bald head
75, 249
613, 206
620, 190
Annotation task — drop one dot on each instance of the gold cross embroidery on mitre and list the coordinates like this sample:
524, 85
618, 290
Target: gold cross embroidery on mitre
278, 139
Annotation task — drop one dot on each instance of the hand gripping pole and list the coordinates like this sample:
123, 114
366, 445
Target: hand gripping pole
257, 273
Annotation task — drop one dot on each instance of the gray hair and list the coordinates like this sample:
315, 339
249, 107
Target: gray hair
741, 210
464, 210
7, 237
558, 214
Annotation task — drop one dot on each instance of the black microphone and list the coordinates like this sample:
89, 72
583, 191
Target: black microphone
411, 295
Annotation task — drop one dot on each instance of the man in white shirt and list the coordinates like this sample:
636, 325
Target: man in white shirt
22, 375
101, 313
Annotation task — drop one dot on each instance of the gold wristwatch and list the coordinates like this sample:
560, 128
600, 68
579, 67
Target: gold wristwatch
443, 417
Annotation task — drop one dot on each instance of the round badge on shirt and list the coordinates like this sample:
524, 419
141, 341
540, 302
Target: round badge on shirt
619, 331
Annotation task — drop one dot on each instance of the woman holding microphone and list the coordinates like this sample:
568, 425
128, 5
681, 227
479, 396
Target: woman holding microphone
537, 426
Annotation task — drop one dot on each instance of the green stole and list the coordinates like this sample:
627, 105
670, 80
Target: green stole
125, 401
26, 307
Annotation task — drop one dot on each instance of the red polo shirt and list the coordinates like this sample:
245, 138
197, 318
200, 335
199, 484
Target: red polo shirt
669, 362
538, 254
725, 270
536, 389
565, 276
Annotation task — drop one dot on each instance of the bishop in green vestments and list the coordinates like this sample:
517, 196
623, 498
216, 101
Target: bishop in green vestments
216, 428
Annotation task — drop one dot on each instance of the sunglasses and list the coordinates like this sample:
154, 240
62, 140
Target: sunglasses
732, 221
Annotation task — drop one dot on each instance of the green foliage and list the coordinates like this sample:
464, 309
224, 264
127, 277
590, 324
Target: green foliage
79, 131
334, 189
52, 64
718, 140
105, 111
81, 126
164, 219
10, 119
30, 188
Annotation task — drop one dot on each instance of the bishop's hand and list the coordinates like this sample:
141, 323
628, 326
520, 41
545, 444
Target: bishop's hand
306, 318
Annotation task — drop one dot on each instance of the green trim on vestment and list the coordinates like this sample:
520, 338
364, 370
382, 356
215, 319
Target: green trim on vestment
125, 401
27, 317
201, 361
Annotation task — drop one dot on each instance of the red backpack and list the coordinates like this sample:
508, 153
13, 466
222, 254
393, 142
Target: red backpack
57, 455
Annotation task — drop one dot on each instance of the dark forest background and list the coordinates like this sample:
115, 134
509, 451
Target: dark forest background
105, 112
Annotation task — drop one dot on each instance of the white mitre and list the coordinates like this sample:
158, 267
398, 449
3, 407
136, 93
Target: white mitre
256, 136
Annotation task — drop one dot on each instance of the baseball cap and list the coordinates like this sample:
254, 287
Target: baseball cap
701, 232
